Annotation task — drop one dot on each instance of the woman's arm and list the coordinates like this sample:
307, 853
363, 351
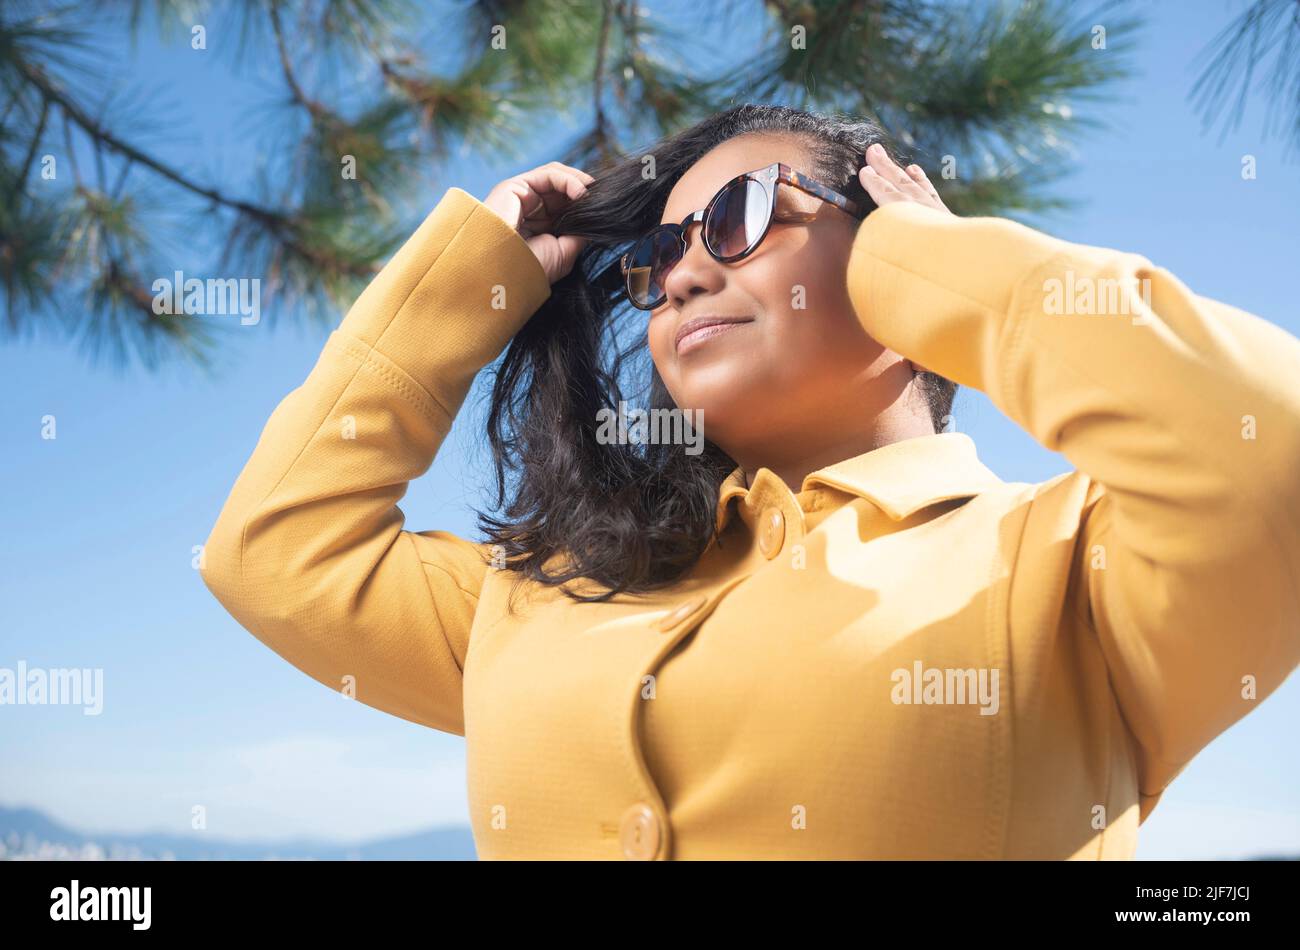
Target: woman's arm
1185, 414
309, 553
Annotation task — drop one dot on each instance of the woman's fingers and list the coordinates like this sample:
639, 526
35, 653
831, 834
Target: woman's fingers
917, 174
879, 159
556, 254
550, 189
923, 180
881, 190
583, 176
882, 179
531, 201
885, 181
557, 181
570, 245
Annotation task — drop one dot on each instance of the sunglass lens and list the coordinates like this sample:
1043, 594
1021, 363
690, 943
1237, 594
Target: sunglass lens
651, 260
739, 218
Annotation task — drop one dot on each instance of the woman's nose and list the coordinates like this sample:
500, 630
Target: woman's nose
697, 272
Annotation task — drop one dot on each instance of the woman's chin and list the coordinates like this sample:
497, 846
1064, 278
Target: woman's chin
727, 411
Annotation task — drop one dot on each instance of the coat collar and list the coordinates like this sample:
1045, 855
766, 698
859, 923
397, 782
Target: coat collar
901, 477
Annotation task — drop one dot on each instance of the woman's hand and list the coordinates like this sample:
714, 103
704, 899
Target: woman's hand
530, 202
886, 183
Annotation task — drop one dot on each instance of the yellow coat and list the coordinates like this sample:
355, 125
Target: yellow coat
908, 658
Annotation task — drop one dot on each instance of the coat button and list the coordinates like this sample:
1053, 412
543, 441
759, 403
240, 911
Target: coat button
771, 532
639, 833
681, 613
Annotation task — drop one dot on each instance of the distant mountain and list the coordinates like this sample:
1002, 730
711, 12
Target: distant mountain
28, 833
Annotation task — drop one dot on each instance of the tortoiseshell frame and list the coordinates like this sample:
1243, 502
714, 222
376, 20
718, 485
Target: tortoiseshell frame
775, 174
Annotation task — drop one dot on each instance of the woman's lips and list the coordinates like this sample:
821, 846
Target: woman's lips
698, 337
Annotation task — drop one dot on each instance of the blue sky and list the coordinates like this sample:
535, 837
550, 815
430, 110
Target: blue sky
99, 524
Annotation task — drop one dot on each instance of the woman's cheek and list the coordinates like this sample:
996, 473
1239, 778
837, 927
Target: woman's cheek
661, 350
789, 286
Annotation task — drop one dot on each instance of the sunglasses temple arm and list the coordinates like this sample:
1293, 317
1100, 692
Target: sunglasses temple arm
818, 190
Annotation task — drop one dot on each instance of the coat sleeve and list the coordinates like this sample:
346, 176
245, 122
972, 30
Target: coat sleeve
1184, 413
309, 552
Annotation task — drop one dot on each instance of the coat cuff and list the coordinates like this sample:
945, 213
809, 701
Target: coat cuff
449, 301
938, 289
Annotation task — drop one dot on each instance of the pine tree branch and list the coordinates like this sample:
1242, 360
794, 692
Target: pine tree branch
26, 166
314, 108
282, 226
598, 78
68, 150
98, 133
1243, 47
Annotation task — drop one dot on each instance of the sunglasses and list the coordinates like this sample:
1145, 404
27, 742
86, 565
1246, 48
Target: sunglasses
733, 224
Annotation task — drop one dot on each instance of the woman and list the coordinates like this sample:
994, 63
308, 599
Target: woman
827, 630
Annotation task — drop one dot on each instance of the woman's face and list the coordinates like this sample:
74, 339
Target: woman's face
801, 372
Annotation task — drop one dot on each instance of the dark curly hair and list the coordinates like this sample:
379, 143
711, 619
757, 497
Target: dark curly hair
630, 517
